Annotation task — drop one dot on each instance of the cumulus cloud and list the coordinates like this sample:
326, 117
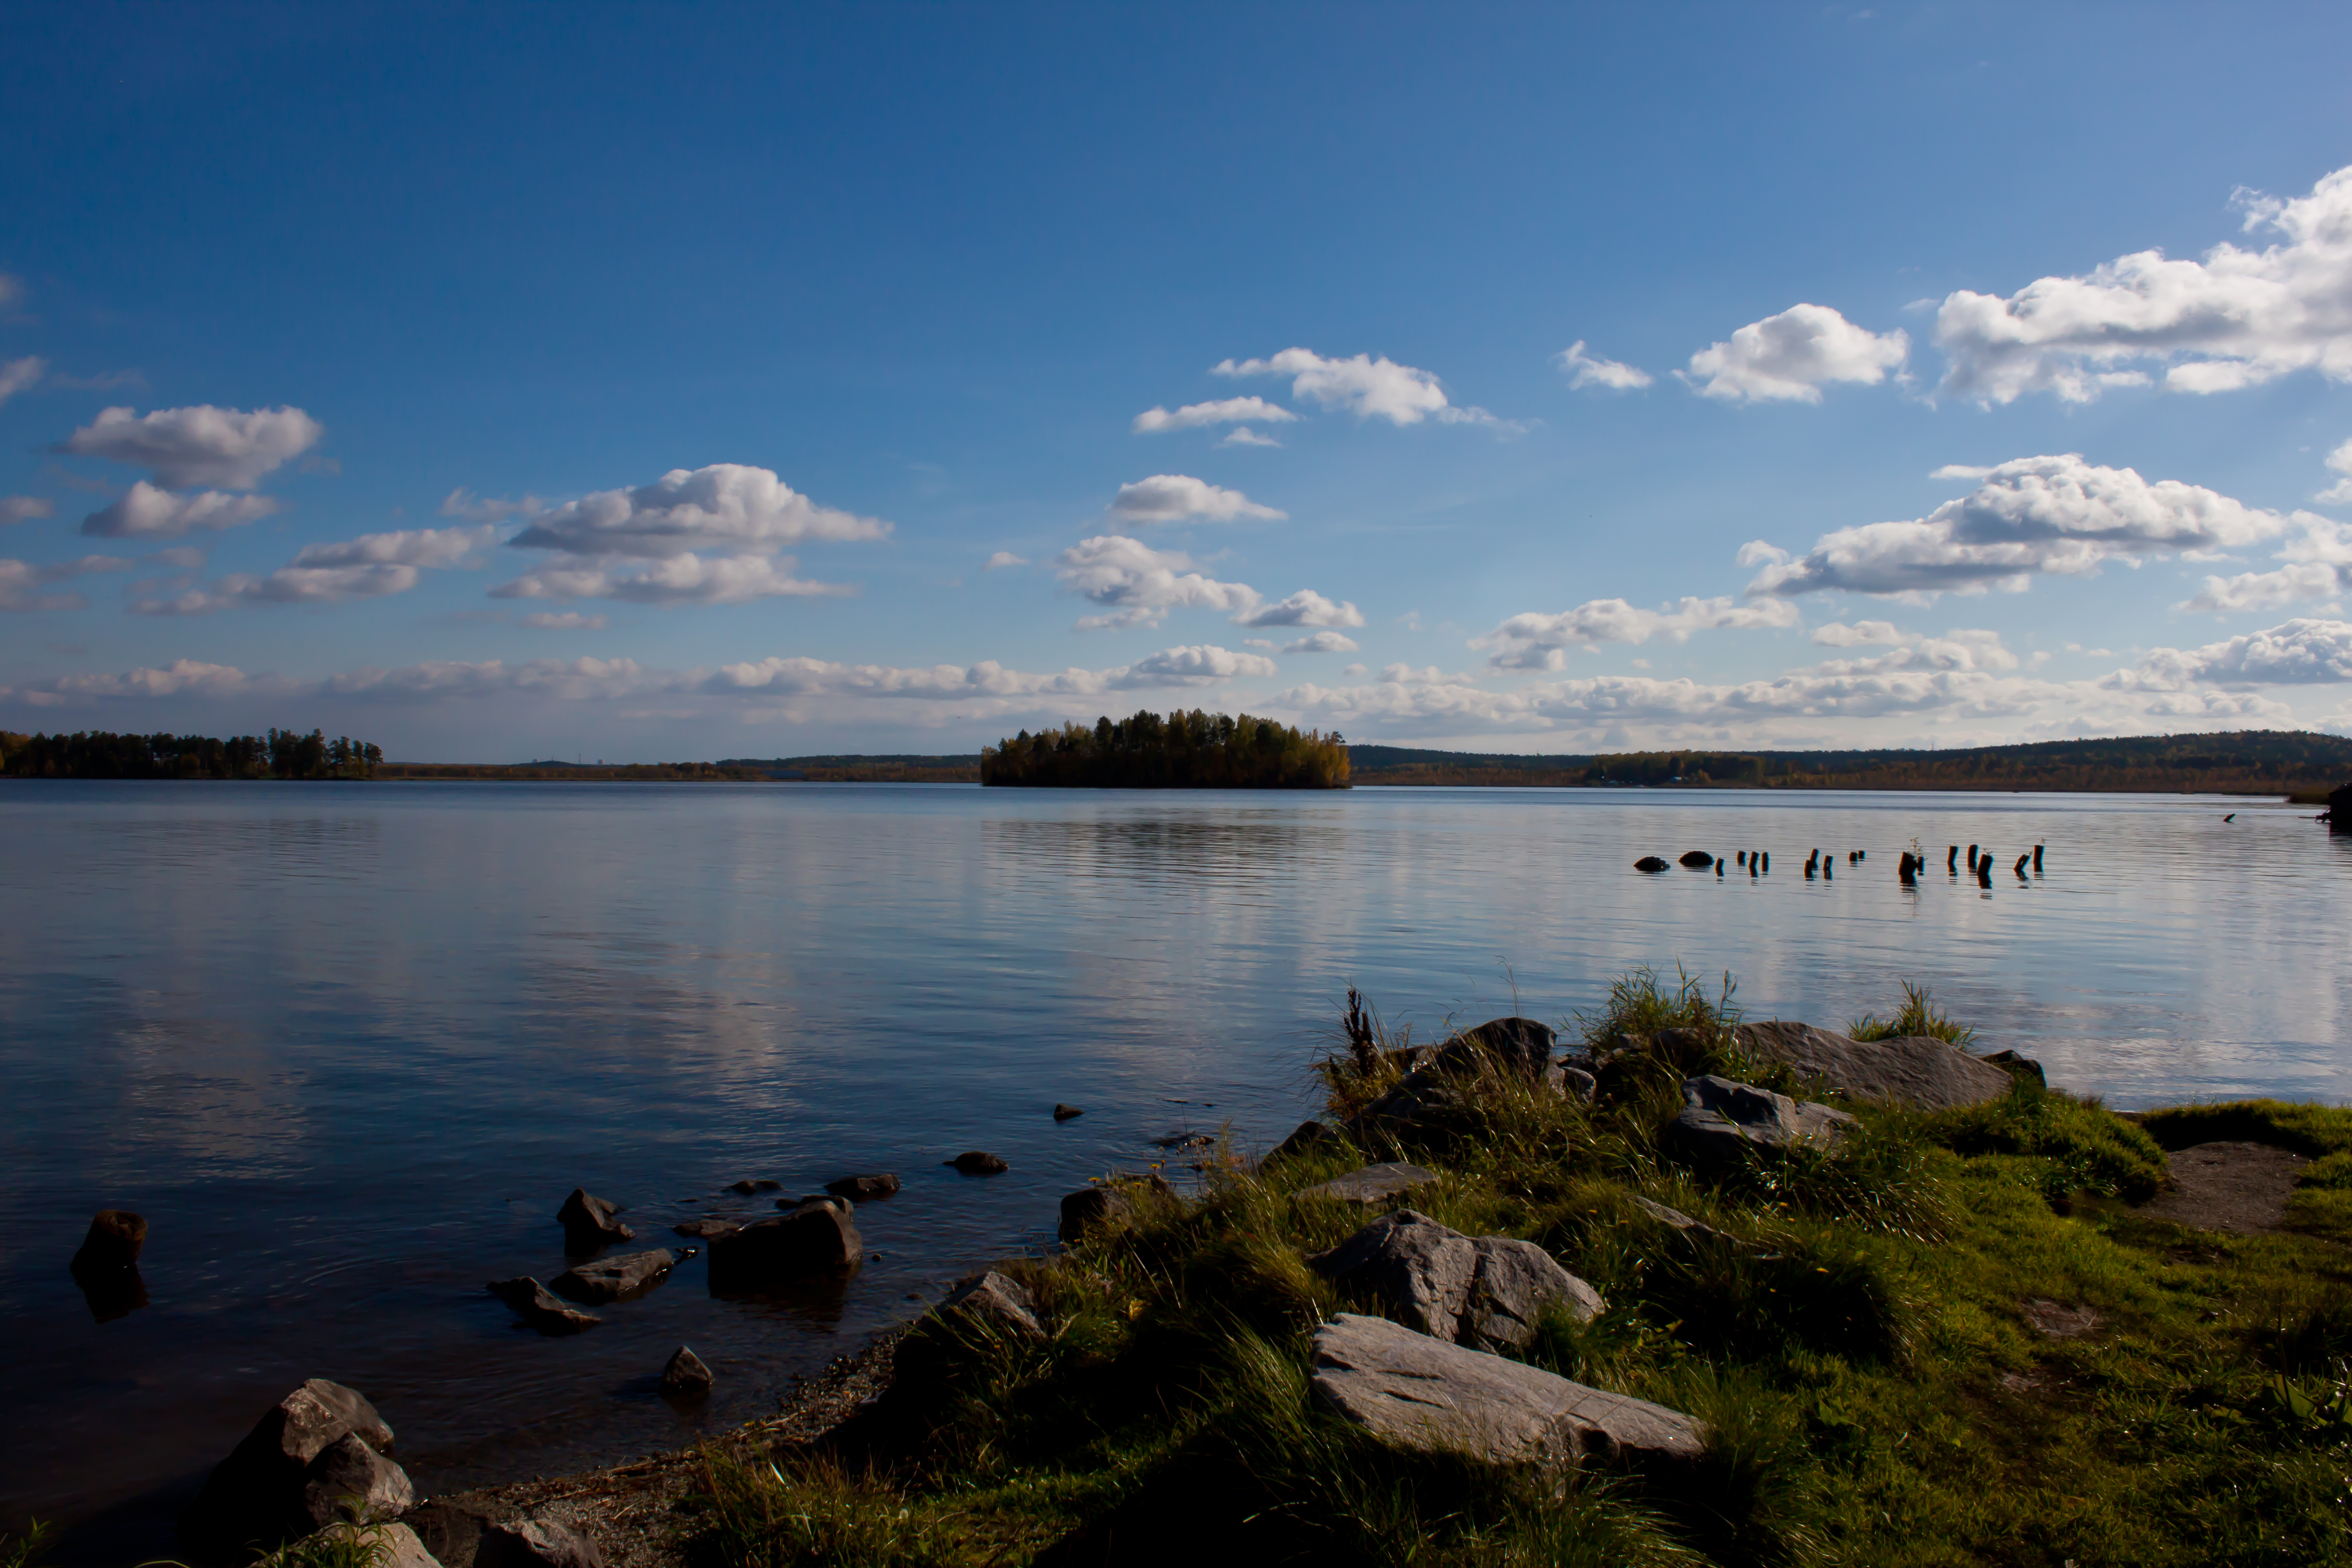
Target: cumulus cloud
1242, 436
180, 678
1367, 387
231, 447
1322, 642
1003, 558
567, 621
675, 580
24, 508
1223, 411
1788, 357
1195, 665
16, 375
21, 582
2319, 559
2295, 653
2238, 318
1139, 585
369, 567
1584, 370
1862, 634
1174, 497
148, 512
730, 508
464, 503
1305, 609
2057, 515
1534, 641
2340, 492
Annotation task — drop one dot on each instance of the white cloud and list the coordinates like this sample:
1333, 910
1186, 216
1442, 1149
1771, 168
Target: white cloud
21, 582
1195, 665
1223, 411
1322, 642
1173, 497
1368, 388
180, 678
1242, 436
1788, 357
567, 621
1001, 559
369, 567
675, 580
464, 503
202, 444
1584, 370
2294, 653
2340, 492
726, 506
2319, 566
1862, 634
2236, 319
1533, 641
24, 508
16, 375
147, 511
1305, 609
1140, 584
2058, 515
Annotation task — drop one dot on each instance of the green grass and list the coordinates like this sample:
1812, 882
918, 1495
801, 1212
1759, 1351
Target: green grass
2322, 1201
1917, 1015
1853, 1334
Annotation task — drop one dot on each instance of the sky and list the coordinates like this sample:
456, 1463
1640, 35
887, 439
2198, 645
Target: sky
498, 383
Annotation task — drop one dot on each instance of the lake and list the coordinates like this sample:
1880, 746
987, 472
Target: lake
347, 1046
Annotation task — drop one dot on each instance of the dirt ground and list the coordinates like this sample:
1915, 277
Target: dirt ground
2240, 1187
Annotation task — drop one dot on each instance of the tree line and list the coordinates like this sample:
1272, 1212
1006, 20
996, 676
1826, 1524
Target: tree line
101, 754
1196, 749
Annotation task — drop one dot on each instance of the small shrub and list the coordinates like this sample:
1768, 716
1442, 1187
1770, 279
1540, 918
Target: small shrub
1638, 1004
1916, 1016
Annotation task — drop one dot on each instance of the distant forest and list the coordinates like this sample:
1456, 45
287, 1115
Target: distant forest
2294, 762
98, 754
1198, 749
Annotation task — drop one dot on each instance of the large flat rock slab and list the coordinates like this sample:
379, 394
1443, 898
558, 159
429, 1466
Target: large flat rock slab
1910, 1069
1417, 1393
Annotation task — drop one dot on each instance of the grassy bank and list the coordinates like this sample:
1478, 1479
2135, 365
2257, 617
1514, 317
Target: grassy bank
1858, 1338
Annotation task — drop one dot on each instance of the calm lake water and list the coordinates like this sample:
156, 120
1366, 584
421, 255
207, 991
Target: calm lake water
348, 1047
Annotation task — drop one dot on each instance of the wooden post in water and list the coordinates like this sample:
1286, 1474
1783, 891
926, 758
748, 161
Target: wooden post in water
2020, 867
1952, 862
2037, 859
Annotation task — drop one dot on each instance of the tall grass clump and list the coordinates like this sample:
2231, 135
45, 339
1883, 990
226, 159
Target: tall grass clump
1917, 1015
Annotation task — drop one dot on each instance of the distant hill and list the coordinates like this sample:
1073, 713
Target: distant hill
892, 768
2298, 762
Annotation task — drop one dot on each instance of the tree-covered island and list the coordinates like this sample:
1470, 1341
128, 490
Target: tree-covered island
1196, 749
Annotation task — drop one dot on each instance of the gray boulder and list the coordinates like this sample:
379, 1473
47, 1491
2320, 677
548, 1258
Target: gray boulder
686, 1377
1698, 1230
589, 1223
979, 1162
1573, 1082
997, 1301
535, 1542
622, 1278
1649, 863
1110, 1204
1066, 1112
1911, 1069
1484, 1293
1417, 1393
536, 1305
1373, 1185
707, 1228
290, 1474
1722, 1121
864, 1189
816, 1238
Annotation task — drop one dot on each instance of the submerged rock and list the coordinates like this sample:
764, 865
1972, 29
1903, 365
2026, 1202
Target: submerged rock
750, 1184
1723, 1119
978, 1163
1649, 863
1372, 1185
1911, 1069
1064, 1112
706, 1230
685, 1376
589, 1223
281, 1480
112, 1244
622, 1278
816, 1238
864, 1189
1421, 1393
1697, 860
1484, 1293
536, 1305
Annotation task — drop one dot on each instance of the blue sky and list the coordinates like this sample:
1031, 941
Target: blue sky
349, 350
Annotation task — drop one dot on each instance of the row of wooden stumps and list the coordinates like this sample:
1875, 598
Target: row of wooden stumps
1979, 866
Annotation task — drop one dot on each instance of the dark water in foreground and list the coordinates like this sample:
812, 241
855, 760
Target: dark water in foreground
347, 1048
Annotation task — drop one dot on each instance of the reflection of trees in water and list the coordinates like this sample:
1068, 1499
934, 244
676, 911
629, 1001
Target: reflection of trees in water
1241, 848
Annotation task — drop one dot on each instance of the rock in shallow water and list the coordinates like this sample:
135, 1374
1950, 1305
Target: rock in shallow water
685, 1376
1417, 1393
978, 1163
321, 1436
1484, 1293
1064, 1112
536, 1305
622, 1278
816, 1238
112, 1244
864, 1189
589, 1223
